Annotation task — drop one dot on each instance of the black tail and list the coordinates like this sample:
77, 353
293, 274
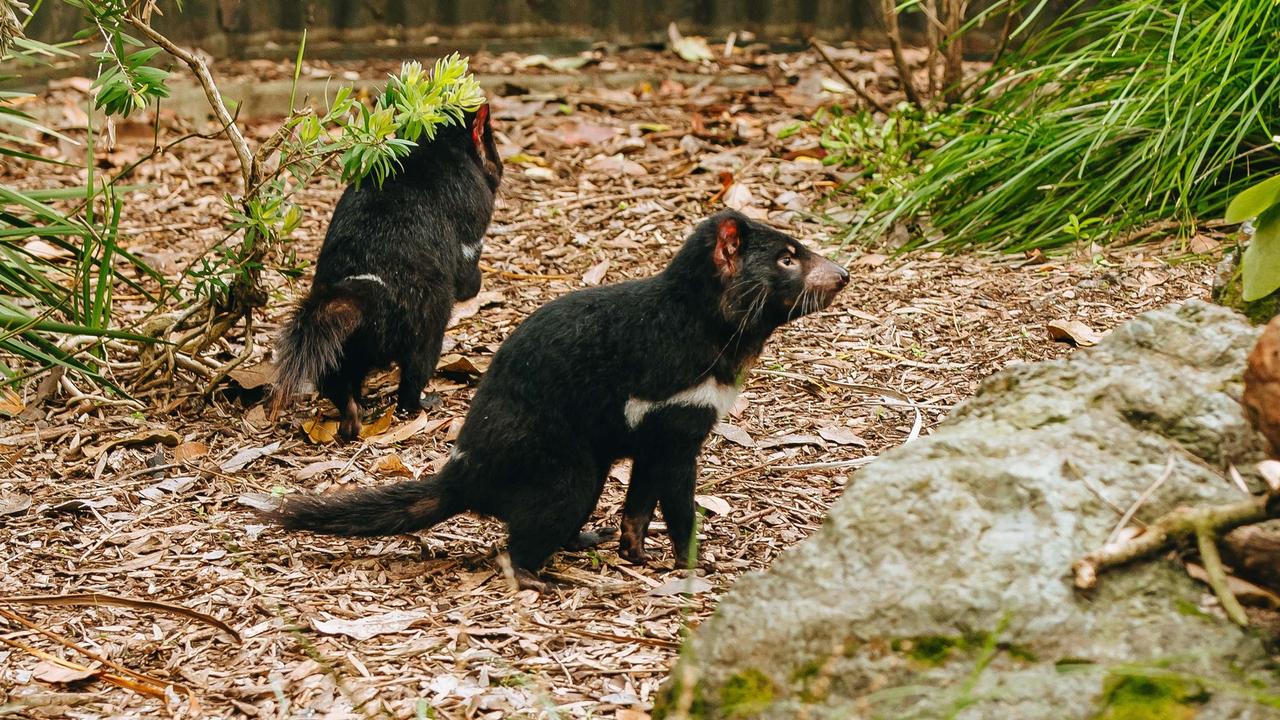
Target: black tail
391, 510
310, 346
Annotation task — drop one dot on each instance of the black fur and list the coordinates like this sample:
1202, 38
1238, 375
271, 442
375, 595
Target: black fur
549, 417
410, 234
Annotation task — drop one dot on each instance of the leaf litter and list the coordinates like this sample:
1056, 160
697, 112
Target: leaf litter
910, 337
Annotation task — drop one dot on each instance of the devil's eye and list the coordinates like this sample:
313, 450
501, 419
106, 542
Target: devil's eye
787, 260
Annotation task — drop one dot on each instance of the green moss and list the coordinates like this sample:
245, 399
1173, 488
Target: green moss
807, 680
1129, 697
669, 694
1229, 291
746, 693
1185, 607
934, 649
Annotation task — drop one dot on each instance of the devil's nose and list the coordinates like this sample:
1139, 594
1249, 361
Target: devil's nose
841, 275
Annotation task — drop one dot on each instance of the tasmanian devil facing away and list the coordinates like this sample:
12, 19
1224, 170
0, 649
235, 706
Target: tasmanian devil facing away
641, 369
394, 261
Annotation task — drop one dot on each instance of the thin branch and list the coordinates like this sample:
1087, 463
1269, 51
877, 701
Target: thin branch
889, 9
201, 70
856, 87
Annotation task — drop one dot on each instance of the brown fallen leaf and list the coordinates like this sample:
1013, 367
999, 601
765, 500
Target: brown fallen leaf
594, 275
455, 428
14, 504
309, 471
1245, 591
189, 451
682, 586
422, 424
841, 436
453, 363
395, 621
321, 431
714, 504
734, 434
255, 376
467, 308
631, 714
11, 404
379, 426
248, 455
790, 440
52, 673
391, 466
166, 437
1074, 332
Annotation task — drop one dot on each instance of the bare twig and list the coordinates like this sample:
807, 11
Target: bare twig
103, 599
853, 85
1183, 523
1142, 499
953, 73
889, 9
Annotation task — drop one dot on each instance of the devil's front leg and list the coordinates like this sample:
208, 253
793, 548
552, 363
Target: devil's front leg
665, 472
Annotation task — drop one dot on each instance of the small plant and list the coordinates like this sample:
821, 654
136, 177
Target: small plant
1259, 208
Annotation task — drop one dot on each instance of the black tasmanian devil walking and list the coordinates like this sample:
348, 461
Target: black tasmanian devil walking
640, 369
394, 261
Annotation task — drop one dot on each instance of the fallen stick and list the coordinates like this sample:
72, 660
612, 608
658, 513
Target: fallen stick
1205, 524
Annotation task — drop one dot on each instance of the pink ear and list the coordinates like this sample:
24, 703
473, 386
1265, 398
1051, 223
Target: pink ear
477, 126
725, 254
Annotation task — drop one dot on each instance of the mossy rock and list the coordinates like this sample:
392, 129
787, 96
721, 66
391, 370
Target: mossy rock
1228, 291
940, 584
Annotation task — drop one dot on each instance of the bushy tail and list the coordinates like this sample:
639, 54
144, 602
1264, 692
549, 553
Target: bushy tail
310, 346
391, 510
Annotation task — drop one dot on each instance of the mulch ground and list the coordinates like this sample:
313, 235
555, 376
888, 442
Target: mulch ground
601, 185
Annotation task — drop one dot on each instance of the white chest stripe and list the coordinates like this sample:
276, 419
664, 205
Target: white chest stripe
369, 277
471, 252
708, 393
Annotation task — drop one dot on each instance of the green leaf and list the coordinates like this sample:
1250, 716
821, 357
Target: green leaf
1254, 201
1261, 263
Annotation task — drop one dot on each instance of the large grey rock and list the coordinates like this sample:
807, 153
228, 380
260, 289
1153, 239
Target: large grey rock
940, 586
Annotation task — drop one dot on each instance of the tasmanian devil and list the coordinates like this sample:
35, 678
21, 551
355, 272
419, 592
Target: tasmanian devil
394, 261
640, 369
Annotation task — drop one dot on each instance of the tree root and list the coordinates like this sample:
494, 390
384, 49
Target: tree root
1205, 524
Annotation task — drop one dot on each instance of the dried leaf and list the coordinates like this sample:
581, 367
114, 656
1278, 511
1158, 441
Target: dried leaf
315, 468
790, 440
616, 165
11, 404
1245, 591
841, 436
392, 466
372, 626
248, 455
596, 273
467, 308
379, 426
167, 437
734, 434
46, 251
582, 133
739, 197
691, 49
714, 504
14, 504
682, 586
1074, 332
321, 431
422, 424
453, 363
53, 673
253, 377
259, 501
189, 451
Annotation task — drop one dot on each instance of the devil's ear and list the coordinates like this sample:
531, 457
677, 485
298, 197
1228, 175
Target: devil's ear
725, 254
479, 126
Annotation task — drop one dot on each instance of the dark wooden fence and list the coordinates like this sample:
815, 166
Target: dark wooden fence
355, 28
